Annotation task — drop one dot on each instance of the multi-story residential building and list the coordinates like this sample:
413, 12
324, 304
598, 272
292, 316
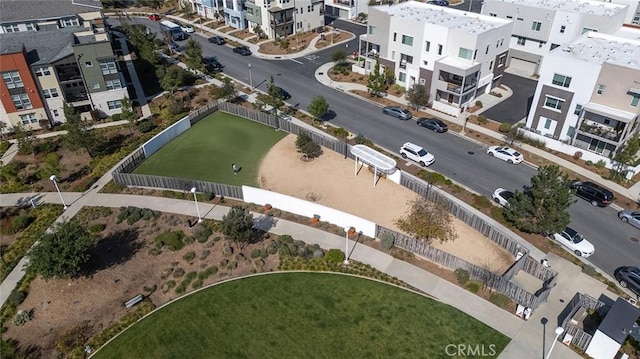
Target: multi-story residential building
234, 14
541, 26
456, 55
588, 96
284, 17
66, 54
207, 8
633, 11
346, 9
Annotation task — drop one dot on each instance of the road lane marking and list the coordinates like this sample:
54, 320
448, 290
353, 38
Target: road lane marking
296, 61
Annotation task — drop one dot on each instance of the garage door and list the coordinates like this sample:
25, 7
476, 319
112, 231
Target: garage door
522, 67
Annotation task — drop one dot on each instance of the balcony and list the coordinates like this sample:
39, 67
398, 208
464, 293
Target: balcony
349, 3
601, 130
282, 21
64, 76
76, 97
456, 87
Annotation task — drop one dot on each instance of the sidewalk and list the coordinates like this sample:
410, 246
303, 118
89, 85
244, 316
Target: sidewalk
526, 335
488, 101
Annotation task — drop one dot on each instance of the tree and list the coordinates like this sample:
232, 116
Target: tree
193, 55
427, 221
417, 96
171, 77
228, 90
307, 147
542, 208
627, 155
24, 138
339, 57
63, 252
276, 100
318, 107
258, 31
79, 133
50, 165
128, 114
388, 77
375, 84
237, 224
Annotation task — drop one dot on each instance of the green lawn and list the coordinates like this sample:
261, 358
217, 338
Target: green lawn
208, 149
302, 315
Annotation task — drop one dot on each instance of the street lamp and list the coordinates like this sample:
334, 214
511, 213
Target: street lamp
559, 331
250, 79
346, 245
54, 179
195, 198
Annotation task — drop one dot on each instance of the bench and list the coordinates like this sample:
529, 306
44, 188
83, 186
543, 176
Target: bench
133, 301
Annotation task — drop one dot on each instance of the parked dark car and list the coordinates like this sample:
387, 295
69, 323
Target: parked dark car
218, 40
597, 195
212, 64
433, 124
398, 112
629, 277
285, 95
242, 50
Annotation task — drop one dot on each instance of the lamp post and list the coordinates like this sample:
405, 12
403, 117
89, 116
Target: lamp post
195, 198
54, 179
346, 245
559, 331
250, 79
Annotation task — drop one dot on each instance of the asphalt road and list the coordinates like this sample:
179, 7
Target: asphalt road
457, 158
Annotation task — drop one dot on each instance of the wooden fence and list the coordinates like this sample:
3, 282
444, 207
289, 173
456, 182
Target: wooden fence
180, 184
131, 162
580, 338
452, 262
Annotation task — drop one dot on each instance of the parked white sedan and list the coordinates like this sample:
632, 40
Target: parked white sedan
501, 196
188, 29
506, 154
574, 241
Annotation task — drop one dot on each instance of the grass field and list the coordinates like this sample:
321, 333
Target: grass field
302, 315
207, 150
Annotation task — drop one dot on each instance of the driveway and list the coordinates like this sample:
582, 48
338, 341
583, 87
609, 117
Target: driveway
516, 107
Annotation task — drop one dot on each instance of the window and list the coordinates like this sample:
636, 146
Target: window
425, 62
541, 44
308, 8
577, 110
395, 35
12, 79
108, 67
571, 131
114, 104
562, 28
491, 65
553, 103
635, 100
502, 60
407, 40
393, 55
561, 80
520, 19
95, 85
535, 26
439, 49
501, 41
521, 40
607, 121
587, 29
55, 113
465, 53
596, 146
402, 77
372, 30
72, 21
636, 19
553, 46
547, 124
42, 71
427, 46
28, 118
31, 26
11, 28
114, 84
406, 59
509, 17
21, 101
49, 93
486, 51
600, 89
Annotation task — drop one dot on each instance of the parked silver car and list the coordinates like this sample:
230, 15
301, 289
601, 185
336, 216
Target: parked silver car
630, 216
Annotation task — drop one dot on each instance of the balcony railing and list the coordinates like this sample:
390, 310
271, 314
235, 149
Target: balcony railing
349, 3
69, 76
602, 131
282, 21
75, 97
457, 87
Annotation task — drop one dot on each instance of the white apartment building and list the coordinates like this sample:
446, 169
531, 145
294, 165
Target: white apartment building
633, 11
541, 26
588, 96
284, 17
455, 54
207, 8
346, 9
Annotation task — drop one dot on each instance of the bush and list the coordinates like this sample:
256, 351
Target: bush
284, 251
577, 155
601, 164
479, 104
504, 127
21, 222
146, 126
202, 233
172, 240
285, 238
259, 253
207, 273
473, 287
589, 270
178, 272
462, 275
386, 241
335, 256
482, 120
97, 228
189, 257
500, 300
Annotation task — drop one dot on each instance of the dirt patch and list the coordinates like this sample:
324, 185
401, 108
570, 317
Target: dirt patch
226, 29
288, 45
242, 34
282, 171
331, 38
337, 75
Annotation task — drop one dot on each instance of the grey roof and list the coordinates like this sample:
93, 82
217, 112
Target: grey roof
619, 320
43, 47
17, 10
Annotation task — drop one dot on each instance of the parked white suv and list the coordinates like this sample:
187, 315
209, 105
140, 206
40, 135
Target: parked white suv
417, 153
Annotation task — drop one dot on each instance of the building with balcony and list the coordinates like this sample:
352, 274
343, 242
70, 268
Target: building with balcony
456, 55
69, 58
588, 96
346, 9
208, 8
234, 12
282, 18
541, 26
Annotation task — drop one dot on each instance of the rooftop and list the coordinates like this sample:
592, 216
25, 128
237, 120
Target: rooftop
42, 47
579, 6
619, 320
443, 16
18, 10
599, 48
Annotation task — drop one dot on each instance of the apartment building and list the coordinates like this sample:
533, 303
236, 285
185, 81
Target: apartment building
633, 10
207, 8
588, 96
455, 54
543, 25
346, 9
284, 17
60, 53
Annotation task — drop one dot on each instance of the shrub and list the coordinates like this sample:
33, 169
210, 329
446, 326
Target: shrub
386, 241
504, 127
178, 272
462, 275
173, 240
189, 257
482, 120
577, 155
202, 233
97, 228
196, 283
146, 126
335, 256
589, 270
21, 222
284, 251
601, 164
259, 253
204, 254
285, 238
207, 273
473, 287
500, 300
479, 104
